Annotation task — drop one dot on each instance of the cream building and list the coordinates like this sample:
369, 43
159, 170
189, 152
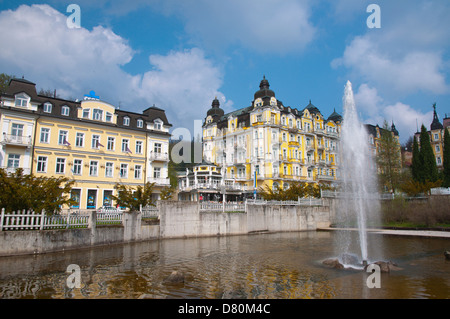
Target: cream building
91, 142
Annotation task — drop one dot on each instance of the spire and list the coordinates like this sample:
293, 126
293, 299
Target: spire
436, 125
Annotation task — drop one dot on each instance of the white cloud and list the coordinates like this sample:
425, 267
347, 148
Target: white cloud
407, 54
375, 111
39, 46
414, 71
266, 26
183, 82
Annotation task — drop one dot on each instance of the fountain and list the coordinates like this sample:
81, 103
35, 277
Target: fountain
359, 203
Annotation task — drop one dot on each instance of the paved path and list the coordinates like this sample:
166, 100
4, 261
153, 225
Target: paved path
424, 233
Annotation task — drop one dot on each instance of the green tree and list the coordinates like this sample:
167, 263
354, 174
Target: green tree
446, 171
428, 161
389, 159
20, 191
416, 166
4, 81
167, 193
133, 198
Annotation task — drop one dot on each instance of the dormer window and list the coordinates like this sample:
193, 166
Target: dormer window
65, 110
47, 108
157, 125
97, 114
108, 117
140, 123
126, 121
86, 113
21, 100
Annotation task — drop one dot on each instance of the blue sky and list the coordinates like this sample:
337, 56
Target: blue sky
179, 55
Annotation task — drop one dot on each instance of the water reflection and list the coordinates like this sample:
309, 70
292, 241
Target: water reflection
286, 265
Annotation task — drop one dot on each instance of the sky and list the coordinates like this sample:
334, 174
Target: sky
180, 54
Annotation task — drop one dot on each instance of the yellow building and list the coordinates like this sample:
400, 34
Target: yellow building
91, 142
277, 144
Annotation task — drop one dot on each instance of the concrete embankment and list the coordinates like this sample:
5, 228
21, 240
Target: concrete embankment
177, 219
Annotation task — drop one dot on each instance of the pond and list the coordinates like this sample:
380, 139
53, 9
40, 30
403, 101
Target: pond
279, 266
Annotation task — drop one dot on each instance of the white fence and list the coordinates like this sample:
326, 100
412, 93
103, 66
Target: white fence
28, 220
300, 202
222, 207
440, 191
149, 212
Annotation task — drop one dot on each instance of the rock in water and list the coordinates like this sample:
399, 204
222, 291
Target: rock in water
175, 278
333, 263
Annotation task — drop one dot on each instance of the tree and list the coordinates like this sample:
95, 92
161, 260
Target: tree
389, 159
4, 81
416, 167
428, 161
167, 193
20, 191
134, 199
446, 171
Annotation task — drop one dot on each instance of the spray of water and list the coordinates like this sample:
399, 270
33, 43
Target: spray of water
359, 179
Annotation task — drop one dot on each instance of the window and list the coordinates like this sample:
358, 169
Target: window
139, 147
137, 171
140, 123
126, 121
77, 165
257, 169
13, 160
438, 148
436, 136
284, 137
21, 100
125, 148
41, 164
109, 169
108, 117
45, 135
47, 108
110, 144
60, 165
290, 123
259, 118
97, 114
157, 126
17, 129
62, 139
93, 168
438, 160
79, 140
86, 113
157, 172
65, 110
123, 170
157, 148
95, 143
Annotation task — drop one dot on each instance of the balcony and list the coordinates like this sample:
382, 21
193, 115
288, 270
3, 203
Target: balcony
325, 178
158, 157
16, 140
159, 181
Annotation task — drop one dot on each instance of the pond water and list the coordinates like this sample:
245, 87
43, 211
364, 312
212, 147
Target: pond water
280, 266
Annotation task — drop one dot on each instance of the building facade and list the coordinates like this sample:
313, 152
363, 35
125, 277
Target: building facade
271, 144
436, 133
91, 142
